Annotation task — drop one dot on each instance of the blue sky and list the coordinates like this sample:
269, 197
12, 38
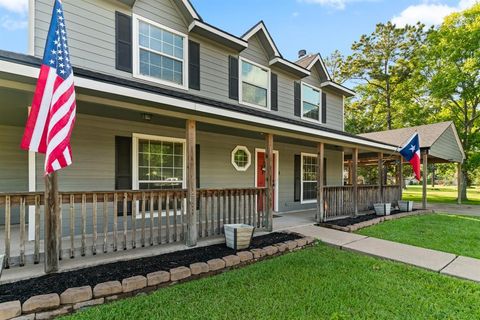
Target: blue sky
315, 25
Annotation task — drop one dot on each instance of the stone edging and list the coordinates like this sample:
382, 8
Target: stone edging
51, 305
364, 224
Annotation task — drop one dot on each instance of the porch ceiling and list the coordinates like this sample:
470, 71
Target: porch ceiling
144, 98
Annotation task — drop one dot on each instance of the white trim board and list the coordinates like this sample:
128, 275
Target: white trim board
136, 53
32, 72
277, 176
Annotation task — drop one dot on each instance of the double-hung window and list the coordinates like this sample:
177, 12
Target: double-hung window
159, 162
254, 84
160, 53
309, 178
311, 98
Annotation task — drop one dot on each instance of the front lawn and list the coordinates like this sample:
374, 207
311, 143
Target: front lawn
440, 194
449, 233
317, 283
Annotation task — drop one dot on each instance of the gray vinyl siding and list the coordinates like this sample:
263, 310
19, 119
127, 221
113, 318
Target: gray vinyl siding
13, 166
13, 160
91, 32
335, 112
93, 145
446, 147
255, 52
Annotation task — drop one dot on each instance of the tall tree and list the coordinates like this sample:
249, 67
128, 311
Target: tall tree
382, 62
451, 70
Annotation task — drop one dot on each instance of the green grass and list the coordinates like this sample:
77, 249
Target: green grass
449, 233
317, 283
441, 194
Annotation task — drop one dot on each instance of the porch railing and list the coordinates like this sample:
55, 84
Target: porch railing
339, 202
101, 222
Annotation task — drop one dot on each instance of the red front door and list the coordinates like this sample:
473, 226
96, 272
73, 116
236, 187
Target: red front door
260, 172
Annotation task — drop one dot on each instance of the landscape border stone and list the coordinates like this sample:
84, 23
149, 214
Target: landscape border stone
72, 299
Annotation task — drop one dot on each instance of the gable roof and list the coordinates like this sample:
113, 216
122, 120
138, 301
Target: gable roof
260, 27
310, 60
429, 135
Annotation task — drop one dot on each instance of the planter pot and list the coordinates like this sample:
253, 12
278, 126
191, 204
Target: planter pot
238, 236
382, 209
405, 206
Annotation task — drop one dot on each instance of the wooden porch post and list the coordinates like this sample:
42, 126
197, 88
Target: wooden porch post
269, 180
355, 180
52, 213
320, 179
459, 183
424, 182
192, 234
380, 177
400, 176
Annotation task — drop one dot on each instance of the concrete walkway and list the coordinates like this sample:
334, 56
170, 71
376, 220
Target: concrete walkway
438, 261
462, 209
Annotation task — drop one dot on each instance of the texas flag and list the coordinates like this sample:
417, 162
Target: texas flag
411, 152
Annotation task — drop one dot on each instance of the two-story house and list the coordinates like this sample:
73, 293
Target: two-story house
166, 101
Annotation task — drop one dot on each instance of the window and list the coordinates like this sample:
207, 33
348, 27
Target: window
309, 178
241, 158
160, 162
254, 84
310, 102
159, 53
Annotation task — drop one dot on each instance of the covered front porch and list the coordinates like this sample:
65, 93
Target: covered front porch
167, 177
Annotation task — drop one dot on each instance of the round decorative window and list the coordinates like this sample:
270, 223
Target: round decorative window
241, 158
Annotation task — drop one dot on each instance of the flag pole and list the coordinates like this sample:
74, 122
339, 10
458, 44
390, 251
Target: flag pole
52, 214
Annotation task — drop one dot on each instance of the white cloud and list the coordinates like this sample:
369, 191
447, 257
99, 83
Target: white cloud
335, 4
13, 24
429, 12
17, 6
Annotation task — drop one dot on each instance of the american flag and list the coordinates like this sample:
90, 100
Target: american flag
52, 116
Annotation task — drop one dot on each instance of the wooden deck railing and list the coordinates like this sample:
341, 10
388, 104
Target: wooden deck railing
338, 201
101, 222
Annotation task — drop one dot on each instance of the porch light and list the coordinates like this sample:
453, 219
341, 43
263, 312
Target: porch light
147, 116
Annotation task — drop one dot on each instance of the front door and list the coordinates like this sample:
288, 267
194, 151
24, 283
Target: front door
260, 172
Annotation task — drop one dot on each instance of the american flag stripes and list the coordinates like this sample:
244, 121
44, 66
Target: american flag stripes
52, 116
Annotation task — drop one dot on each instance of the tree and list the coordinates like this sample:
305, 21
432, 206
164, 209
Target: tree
334, 64
381, 63
451, 72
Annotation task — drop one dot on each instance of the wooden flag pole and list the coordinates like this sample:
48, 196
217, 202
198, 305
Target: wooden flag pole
52, 212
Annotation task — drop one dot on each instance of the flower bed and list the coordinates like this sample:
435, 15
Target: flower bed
61, 293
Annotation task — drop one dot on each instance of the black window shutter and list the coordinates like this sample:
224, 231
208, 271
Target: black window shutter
296, 177
197, 166
296, 99
123, 168
233, 78
193, 65
123, 42
324, 107
274, 92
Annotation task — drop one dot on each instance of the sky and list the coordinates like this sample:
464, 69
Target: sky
314, 25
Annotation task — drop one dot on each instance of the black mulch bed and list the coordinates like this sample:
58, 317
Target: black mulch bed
350, 221
59, 282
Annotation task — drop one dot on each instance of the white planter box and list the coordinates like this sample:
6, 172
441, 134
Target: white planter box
382, 209
238, 236
405, 206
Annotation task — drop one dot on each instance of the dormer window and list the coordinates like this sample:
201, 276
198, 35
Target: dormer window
311, 99
254, 84
160, 53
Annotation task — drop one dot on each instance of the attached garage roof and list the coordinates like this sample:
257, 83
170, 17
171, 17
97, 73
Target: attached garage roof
440, 139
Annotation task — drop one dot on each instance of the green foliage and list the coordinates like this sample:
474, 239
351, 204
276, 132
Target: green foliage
380, 63
436, 231
317, 283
